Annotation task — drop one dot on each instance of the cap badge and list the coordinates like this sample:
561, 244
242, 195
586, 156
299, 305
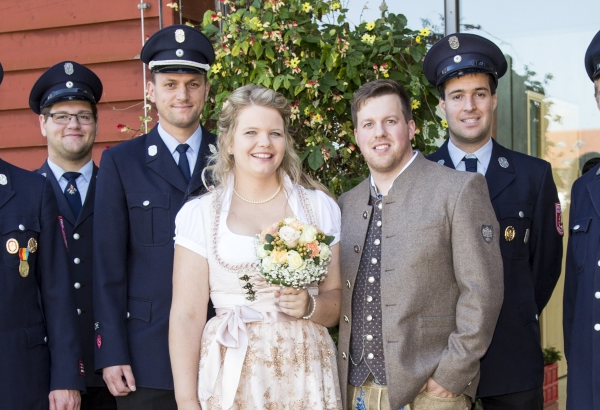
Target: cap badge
69, 84
503, 162
487, 231
3, 179
454, 44
212, 149
179, 53
441, 162
457, 59
152, 150
69, 68
179, 35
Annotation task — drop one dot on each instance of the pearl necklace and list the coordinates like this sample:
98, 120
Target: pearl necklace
258, 202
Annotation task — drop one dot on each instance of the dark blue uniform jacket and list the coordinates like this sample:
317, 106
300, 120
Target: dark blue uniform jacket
40, 348
137, 197
525, 199
78, 238
581, 304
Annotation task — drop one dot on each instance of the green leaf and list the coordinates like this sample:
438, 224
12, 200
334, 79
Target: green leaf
315, 159
416, 53
245, 46
269, 238
351, 72
268, 247
258, 49
328, 239
340, 107
328, 79
207, 19
311, 38
235, 51
277, 82
269, 53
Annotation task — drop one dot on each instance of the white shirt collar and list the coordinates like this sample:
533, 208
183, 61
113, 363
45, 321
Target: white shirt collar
193, 141
415, 152
483, 154
85, 171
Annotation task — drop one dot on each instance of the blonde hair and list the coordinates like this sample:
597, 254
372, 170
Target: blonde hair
221, 163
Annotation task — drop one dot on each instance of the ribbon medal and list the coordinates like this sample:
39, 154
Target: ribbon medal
23, 266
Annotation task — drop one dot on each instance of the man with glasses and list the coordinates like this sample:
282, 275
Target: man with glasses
142, 184
581, 304
465, 68
41, 363
65, 98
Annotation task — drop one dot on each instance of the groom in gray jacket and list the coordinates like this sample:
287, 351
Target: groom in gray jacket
421, 268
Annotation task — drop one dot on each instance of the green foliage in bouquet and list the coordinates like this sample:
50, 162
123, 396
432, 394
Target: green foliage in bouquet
309, 52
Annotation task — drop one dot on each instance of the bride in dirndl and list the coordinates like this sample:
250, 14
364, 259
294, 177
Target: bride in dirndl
268, 347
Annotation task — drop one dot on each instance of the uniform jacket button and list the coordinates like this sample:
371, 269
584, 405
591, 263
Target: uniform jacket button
146, 203
79, 311
77, 285
344, 355
128, 315
75, 236
21, 227
357, 248
45, 339
346, 319
348, 284
76, 261
365, 214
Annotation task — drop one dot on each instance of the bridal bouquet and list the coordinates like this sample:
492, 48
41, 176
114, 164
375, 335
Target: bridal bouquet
293, 254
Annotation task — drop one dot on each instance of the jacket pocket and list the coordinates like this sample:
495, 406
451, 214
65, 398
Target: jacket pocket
36, 335
19, 232
515, 229
139, 309
528, 313
150, 218
579, 235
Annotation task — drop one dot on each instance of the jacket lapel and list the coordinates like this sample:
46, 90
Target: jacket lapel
88, 204
594, 190
498, 177
442, 156
63, 205
160, 160
196, 180
6, 191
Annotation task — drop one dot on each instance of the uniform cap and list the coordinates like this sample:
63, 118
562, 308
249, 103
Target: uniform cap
66, 81
592, 58
459, 54
178, 49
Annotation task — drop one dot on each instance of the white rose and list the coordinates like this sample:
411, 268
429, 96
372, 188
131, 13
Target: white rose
261, 252
268, 264
309, 234
325, 251
295, 261
289, 236
290, 220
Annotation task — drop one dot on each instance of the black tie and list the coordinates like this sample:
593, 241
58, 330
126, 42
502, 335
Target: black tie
72, 193
184, 164
470, 164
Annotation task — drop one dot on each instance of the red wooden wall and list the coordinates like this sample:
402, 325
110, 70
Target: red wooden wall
103, 35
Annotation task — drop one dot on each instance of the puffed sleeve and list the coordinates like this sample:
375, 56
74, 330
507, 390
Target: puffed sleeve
329, 215
189, 227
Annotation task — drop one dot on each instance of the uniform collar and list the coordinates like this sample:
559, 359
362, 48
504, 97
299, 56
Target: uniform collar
85, 171
193, 141
483, 154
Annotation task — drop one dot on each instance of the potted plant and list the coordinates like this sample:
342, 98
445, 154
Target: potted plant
551, 358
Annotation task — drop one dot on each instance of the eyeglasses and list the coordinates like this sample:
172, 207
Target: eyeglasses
63, 118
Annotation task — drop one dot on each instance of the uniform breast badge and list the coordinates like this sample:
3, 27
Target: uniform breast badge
32, 245
12, 246
24, 265
509, 233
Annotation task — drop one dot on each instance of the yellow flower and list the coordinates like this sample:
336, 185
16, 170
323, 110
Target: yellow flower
444, 124
336, 5
306, 7
418, 39
216, 68
386, 75
370, 25
415, 104
425, 31
369, 39
294, 62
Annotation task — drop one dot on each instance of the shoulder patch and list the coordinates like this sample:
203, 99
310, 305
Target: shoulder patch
487, 231
559, 222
